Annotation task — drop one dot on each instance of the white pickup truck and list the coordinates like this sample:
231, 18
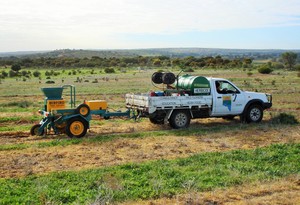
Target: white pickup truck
199, 97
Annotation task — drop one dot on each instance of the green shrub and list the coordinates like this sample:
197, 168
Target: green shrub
21, 104
4, 74
109, 70
50, 82
249, 73
48, 73
284, 118
265, 70
36, 74
95, 81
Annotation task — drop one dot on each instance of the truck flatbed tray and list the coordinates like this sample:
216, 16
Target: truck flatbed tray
153, 103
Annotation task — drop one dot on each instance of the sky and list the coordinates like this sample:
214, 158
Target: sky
36, 25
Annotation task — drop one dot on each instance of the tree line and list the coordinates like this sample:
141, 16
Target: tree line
123, 62
288, 60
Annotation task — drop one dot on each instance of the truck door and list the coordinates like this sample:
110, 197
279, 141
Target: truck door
228, 99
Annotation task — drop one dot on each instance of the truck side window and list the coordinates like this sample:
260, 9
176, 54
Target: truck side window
224, 87
218, 87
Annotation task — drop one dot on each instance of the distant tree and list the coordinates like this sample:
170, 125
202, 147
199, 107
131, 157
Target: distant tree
156, 62
176, 62
247, 61
289, 59
16, 67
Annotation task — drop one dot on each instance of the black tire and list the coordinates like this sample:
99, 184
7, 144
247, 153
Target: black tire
254, 114
76, 127
157, 121
83, 110
180, 119
34, 130
106, 117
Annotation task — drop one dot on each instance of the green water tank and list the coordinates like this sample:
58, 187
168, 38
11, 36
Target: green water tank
195, 85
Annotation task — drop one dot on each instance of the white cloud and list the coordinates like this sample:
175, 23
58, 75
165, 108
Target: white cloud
98, 22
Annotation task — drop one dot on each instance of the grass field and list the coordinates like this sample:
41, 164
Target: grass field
122, 161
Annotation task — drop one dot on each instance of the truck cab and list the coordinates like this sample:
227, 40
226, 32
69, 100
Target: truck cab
230, 101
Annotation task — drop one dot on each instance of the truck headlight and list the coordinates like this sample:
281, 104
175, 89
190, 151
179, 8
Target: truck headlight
269, 97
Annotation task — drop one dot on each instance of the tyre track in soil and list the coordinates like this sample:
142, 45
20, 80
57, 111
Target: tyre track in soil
20, 163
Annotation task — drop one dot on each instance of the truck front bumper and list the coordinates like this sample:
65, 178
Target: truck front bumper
267, 105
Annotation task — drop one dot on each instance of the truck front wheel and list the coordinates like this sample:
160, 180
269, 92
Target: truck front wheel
254, 114
180, 119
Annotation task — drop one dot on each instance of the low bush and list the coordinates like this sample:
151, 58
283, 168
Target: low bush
109, 70
284, 118
50, 82
21, 104
265, 70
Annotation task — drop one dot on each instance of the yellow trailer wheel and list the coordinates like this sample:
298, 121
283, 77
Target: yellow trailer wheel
83, 110
76, 127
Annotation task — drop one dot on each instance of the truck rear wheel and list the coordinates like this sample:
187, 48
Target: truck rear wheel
156, 120
180, 119
76, 127
254, 114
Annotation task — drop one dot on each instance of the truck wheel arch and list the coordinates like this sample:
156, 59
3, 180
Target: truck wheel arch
258, 104
180, 119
